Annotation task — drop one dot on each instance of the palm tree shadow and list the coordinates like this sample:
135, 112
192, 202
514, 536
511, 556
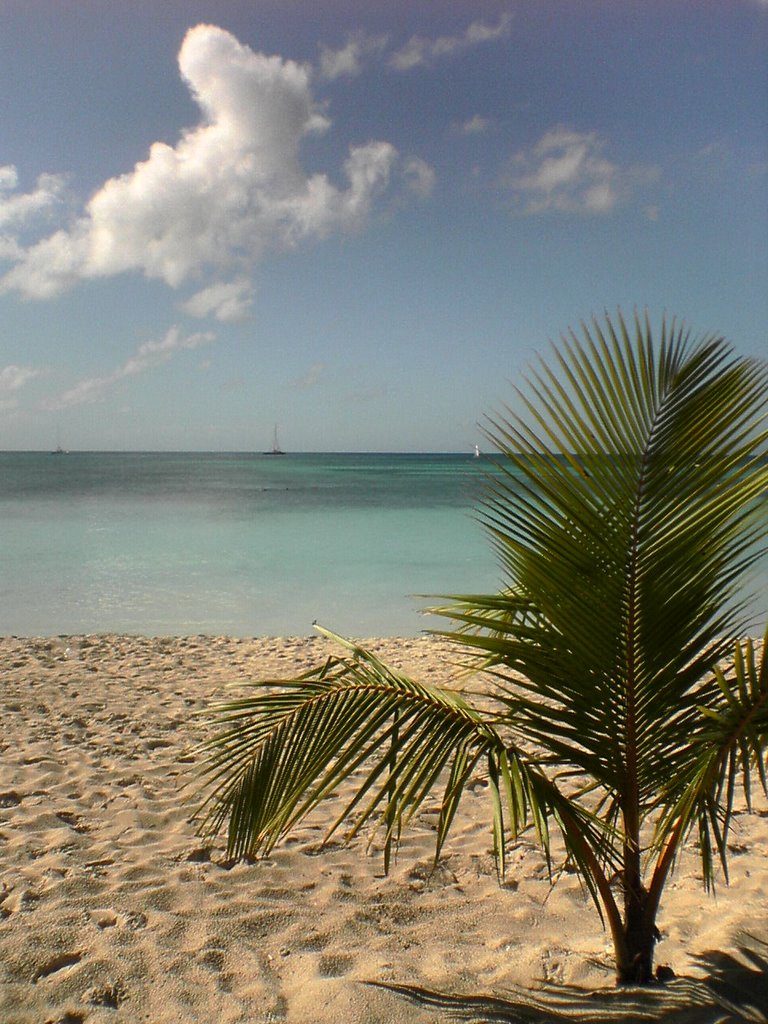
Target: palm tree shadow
740, 977
735, 991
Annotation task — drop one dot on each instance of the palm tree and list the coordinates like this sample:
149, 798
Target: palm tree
627, 504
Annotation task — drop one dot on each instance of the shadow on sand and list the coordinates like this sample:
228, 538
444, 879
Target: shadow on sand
734, 991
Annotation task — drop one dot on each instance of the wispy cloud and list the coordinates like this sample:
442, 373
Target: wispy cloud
231, 190
17, 209
567, 171
420, 51
360, 48
20, 211
348, 59
149, 355
13, 377
419, 177
229, 302
475, 125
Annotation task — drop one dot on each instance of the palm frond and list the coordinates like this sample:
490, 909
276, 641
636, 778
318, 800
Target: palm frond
281, 751
625, 511
729, 743
626, 507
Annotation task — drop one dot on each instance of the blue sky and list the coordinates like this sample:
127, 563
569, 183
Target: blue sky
359, 221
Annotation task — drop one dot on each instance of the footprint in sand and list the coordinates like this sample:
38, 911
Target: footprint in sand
56, 964
334, 965
109, 996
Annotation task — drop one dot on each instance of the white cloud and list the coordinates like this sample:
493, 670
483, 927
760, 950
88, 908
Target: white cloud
348, 60
231, 190
16, 209
147, 356
10, 249
21, 210
566, 171
476, 125
478, 32
229, 302
14, 377
419, 51
419, 177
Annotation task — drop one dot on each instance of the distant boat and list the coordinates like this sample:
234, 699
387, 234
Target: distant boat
276, 449
477, 452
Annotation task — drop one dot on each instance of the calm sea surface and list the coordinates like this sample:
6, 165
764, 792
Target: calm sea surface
238, 544
242, 544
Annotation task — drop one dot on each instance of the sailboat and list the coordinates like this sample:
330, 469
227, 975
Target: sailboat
276, 449
477, 451
58, 450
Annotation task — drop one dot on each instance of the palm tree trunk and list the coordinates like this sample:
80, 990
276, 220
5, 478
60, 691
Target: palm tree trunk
634, 963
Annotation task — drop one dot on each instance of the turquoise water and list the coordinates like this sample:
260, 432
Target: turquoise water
240, 544
174, 544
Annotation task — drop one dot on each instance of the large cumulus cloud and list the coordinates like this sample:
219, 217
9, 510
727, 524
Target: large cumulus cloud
231, 189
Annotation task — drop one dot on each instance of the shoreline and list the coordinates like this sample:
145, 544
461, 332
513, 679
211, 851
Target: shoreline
112, 909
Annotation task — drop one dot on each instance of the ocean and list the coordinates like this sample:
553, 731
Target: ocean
237, 544
164, 544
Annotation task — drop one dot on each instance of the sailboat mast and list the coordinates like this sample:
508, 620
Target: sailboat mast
275, 449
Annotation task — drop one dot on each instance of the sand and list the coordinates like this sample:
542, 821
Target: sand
112, 910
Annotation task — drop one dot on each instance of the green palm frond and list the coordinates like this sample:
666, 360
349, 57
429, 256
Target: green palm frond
729, 745
626, 506
283, 750
625, 511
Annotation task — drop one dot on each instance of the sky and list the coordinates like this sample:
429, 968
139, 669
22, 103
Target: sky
359, 221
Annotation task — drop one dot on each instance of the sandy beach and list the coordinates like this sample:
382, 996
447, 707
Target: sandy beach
111, 909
